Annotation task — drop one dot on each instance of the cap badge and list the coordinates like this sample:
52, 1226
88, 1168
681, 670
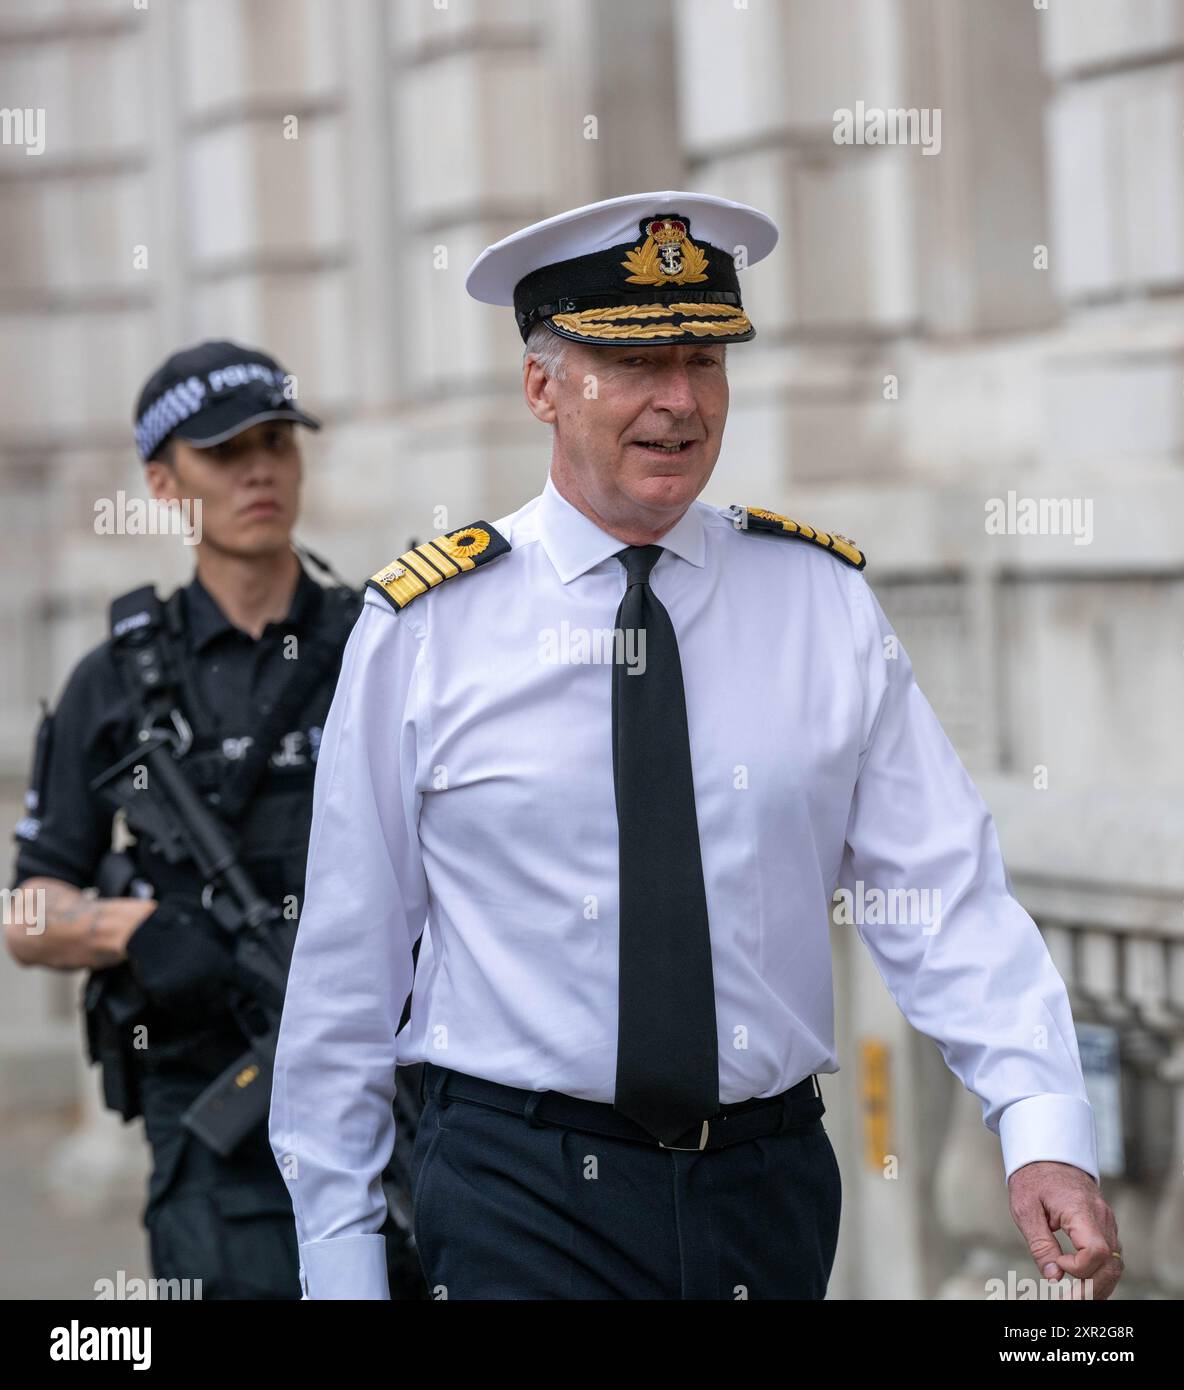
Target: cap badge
668, 256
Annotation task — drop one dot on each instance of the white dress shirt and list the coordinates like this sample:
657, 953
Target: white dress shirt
465, 782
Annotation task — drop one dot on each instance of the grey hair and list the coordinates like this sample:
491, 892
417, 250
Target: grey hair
550, 349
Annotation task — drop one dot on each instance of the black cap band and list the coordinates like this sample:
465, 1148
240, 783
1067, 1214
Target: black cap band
602, 280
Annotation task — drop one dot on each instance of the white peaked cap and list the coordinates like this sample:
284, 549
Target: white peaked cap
600, 226
650, 267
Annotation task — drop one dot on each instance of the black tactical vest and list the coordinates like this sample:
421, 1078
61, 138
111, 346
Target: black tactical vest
254, 768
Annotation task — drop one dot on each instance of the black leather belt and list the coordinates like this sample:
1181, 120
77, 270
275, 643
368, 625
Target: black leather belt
798, 1108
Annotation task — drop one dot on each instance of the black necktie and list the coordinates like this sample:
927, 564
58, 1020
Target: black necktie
667, 1063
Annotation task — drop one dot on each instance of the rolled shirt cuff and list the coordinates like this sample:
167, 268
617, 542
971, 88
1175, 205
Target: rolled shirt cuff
1049, 1129
345, 1267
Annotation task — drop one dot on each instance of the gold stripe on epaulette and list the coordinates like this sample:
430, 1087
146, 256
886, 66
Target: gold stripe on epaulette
399, 583
431, 551
415, 562
848, 549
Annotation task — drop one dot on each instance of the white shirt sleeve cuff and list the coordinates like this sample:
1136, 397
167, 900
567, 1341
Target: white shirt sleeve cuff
345, 1267
1050, 1129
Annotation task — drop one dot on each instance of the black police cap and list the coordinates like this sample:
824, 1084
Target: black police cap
211, 392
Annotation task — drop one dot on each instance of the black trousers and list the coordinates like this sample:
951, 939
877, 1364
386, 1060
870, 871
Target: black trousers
225, 1221
228, 1221
509, 1209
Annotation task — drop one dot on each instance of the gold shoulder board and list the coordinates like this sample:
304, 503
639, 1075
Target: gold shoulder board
757, 519
424, 566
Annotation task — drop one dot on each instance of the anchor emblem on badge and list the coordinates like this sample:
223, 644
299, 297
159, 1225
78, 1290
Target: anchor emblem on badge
669, 237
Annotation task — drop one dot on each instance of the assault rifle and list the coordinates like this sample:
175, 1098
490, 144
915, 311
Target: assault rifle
160, 803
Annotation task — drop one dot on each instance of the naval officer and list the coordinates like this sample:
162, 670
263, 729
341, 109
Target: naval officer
605, 761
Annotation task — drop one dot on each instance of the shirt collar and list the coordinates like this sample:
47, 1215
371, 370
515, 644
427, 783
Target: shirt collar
205, 620
574, 543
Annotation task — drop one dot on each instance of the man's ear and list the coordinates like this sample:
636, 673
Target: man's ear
538, 388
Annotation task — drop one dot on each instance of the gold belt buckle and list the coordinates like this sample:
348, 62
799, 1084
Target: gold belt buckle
689, 1148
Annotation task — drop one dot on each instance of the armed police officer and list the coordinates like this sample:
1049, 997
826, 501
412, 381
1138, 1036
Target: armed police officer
197, 725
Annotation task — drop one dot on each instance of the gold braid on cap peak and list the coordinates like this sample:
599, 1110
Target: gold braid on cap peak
604, 323
649, 311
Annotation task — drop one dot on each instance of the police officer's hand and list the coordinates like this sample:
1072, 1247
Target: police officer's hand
112, 924
181, 957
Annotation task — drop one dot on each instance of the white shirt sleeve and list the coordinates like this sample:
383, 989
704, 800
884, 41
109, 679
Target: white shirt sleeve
977, 976
332, 1129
